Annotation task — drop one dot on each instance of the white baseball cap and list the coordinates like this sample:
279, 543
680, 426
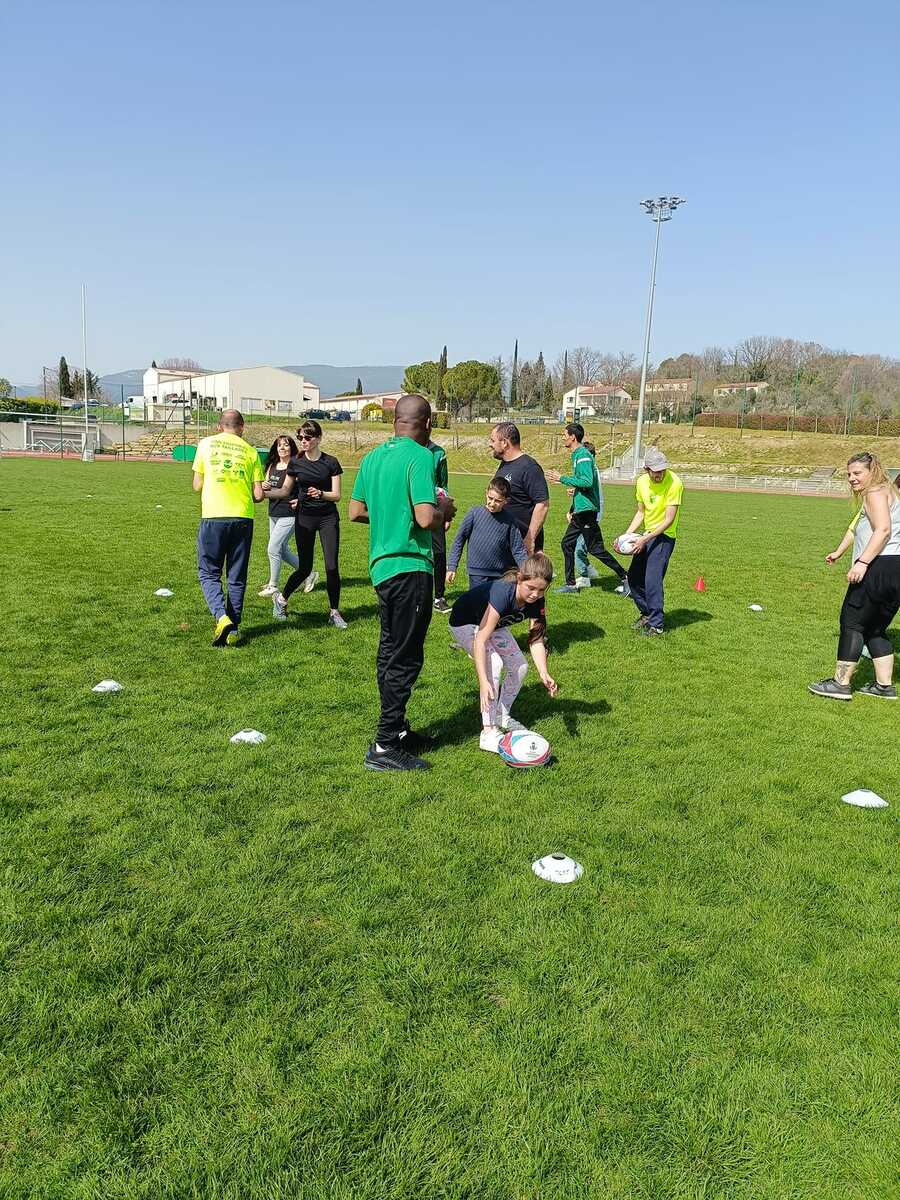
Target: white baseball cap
654, 459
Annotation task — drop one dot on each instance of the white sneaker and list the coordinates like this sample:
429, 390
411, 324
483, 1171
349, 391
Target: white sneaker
624, 588
592, 572
490, 740
310, 581
582, 582
335, 619
511, 725
279, 608
269, 590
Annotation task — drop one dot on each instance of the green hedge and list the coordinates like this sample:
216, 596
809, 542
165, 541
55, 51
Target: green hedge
14, 410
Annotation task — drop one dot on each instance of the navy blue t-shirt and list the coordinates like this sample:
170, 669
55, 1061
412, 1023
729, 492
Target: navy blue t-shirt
470, 608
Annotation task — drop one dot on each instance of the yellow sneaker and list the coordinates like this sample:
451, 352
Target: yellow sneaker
234, 636
224, 627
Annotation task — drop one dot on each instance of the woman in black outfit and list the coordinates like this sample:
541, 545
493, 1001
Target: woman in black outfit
315, 479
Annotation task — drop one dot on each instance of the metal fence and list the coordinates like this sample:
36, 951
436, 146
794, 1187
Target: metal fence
727, 482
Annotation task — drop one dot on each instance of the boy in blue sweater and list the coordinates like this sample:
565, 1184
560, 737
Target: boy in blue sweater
495, 543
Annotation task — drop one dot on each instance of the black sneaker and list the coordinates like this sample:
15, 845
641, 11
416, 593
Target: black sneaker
831, 690
885, 691
651, 631
441, 606
417, 743
392, 758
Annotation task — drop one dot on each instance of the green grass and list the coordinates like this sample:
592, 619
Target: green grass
263, 972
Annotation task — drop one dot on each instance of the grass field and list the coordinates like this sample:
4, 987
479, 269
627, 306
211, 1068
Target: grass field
262, 972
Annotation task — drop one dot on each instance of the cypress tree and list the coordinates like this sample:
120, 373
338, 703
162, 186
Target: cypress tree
549, 396
513, 386
439, 380
65, 383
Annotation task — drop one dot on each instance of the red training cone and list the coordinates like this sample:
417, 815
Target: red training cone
700, 585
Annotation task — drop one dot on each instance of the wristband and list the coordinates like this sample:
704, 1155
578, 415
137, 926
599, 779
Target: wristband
863, 561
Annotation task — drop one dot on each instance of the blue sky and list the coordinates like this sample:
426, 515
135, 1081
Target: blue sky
359, 183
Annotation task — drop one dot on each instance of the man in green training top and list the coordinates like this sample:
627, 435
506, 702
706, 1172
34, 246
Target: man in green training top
586, 505
394, 495
439, 536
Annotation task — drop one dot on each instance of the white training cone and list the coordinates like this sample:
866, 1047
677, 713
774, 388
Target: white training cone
163, 592
159, 506
107, 685
251, 736
863, 798
753, 607
557, 868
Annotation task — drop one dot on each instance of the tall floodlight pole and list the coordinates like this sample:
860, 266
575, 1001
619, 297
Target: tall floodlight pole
84, 368
658, 210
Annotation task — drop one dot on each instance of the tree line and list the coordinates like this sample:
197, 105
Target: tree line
802, 377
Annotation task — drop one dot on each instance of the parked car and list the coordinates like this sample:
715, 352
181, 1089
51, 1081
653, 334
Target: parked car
341, 415
317, 414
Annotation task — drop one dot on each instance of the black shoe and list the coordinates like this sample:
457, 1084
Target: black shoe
651, 631
417, 743
885, 691
441, 606
639, 623
392, 758
831, 690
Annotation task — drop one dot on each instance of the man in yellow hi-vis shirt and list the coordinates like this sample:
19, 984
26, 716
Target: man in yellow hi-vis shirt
228, 475
658, 493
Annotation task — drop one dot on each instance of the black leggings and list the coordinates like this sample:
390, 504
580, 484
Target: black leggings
868, 609
329, 528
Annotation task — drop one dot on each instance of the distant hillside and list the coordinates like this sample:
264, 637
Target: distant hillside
334, 380
132, 381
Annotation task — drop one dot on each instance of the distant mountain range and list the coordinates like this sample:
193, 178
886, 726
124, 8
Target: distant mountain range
331, 380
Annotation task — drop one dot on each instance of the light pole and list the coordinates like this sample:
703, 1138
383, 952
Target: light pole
86, 454
658, 210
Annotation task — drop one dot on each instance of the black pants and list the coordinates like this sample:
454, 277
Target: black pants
329, 529
586, 525
869, 608
439, 551
404, 606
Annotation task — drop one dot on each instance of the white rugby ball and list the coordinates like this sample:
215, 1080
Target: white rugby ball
523, 748
626, 542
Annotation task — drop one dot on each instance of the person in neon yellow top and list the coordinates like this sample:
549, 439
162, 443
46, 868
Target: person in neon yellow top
658, 493
228, 475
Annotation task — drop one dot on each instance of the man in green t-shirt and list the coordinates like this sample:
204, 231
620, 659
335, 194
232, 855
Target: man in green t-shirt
439, 536
395, 495
658, 493
228, 475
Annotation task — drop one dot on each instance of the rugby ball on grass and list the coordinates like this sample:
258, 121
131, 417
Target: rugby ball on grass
626, 542
523, 748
